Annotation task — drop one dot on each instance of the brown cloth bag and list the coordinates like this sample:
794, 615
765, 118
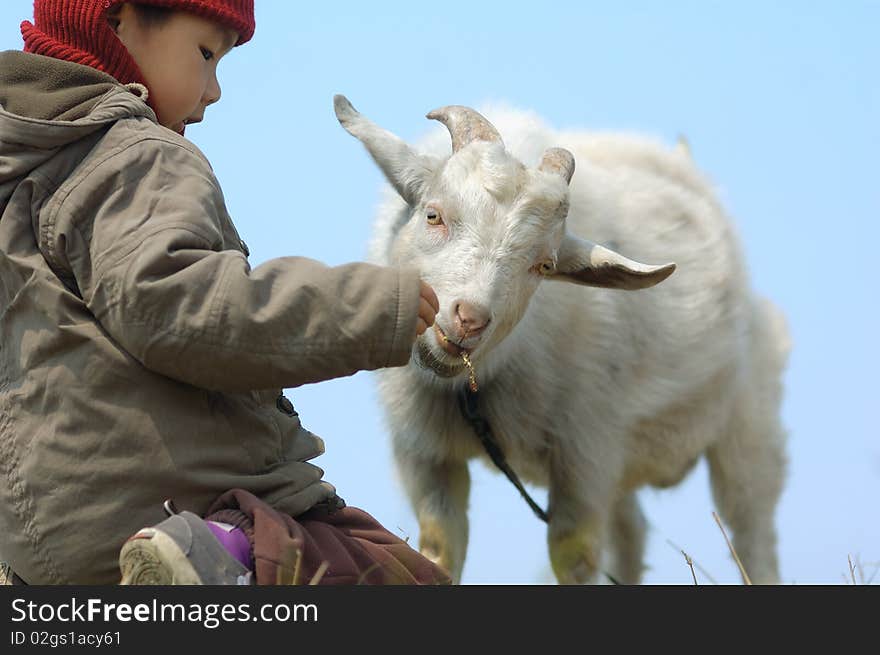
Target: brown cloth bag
331, 544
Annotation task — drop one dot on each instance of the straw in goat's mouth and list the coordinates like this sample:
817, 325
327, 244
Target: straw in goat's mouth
472, 376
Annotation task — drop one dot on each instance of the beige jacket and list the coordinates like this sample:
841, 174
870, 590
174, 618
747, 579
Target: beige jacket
141, 358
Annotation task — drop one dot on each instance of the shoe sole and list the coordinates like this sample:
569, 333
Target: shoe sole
153, 558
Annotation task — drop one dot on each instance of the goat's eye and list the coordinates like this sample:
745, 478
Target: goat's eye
433, 216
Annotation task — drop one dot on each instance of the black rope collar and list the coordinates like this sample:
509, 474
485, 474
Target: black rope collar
469, 404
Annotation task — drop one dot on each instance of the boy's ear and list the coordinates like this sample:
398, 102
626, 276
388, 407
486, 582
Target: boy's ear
113, 16
119, 15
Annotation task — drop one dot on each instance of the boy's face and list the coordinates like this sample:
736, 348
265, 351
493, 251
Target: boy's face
178, 59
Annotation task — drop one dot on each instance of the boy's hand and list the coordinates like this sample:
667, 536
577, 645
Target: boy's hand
428, 308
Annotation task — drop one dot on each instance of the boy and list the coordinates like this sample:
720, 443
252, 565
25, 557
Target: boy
141, 358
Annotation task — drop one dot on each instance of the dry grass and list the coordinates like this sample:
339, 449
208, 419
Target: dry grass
855, 567
690, 563
290, 568
745, 576
693, 563
859, 567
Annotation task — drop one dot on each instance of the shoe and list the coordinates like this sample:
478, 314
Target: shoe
181, 550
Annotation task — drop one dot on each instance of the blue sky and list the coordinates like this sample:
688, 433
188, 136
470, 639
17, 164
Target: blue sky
780, 102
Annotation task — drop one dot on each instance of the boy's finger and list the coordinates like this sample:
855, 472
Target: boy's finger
426, 312
429, 295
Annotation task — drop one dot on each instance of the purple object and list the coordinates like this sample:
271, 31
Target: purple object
234, 540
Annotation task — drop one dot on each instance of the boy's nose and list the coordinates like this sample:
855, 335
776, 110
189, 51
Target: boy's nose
212, 92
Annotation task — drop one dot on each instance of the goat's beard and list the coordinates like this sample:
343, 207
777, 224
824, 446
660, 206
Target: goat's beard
427, 359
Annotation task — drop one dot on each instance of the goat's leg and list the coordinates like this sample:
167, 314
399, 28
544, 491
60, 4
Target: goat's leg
627, 536
438, 493
747, 469
747, 464
579, 509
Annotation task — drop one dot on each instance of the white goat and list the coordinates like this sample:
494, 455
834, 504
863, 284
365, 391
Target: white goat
590, 391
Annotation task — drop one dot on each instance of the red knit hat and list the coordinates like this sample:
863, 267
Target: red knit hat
78, 31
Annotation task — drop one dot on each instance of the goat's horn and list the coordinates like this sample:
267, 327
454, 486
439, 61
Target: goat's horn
464, 125
558, 161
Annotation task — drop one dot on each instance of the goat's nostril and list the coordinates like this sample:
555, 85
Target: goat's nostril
470, 319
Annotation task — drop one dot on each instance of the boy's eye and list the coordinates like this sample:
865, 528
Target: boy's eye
207, 54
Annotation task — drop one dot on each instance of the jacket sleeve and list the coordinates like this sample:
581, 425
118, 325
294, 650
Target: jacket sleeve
143, 235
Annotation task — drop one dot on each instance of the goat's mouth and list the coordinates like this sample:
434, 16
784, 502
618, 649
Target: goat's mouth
448, 344
437, 363
441, 355
438, 354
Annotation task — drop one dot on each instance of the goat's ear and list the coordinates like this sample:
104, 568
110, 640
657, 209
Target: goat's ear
588, 263
407, 171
